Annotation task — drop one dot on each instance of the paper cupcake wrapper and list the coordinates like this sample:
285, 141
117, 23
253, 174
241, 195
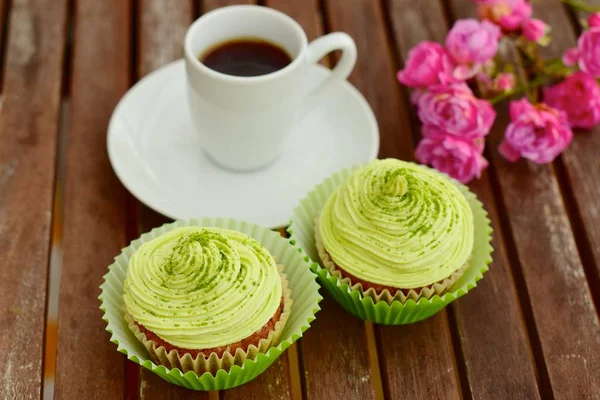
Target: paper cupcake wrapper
437, 288
213, 363
396, 312
304, 294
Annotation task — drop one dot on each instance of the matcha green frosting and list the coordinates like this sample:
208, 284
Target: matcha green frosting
398, 224
200, 288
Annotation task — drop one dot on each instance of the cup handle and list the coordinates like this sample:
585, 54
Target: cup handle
324, 45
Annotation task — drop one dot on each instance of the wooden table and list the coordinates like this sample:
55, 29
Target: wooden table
530, 330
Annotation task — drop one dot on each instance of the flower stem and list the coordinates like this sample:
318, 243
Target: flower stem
581, 5
537, 82
550, 68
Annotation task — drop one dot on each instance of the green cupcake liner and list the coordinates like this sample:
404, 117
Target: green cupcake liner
302, 233
305, 293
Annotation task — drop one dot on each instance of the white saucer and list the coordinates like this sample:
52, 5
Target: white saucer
155, 153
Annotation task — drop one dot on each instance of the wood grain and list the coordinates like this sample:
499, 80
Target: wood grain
375, 70
209, 5
493, 336
565, 320
161, 28
493, 339
28, 136
426, 351
88, 365
274, 383
583, 155
334, 351
335, 356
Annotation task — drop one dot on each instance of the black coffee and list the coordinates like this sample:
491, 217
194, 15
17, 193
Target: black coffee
246, 57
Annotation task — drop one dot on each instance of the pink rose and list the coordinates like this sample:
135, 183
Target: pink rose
536, 132
589, 51
594, 20
579, 97
454, 110
508, 14
427, 64
534, 29
450, 155
571, 57
504, 82
473, 42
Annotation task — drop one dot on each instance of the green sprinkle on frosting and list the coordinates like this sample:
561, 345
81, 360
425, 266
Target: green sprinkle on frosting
200, 288
398, 224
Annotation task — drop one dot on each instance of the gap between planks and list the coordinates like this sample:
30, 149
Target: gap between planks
56, 254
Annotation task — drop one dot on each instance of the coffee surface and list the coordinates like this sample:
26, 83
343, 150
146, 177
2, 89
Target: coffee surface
246, 57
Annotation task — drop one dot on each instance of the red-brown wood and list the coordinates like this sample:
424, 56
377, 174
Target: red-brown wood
88, 365
375, 70
492, 335
161, 28
335, 356
335, 350
542, 242
583, 156
209, 5
373, 75
549, 262
28, 135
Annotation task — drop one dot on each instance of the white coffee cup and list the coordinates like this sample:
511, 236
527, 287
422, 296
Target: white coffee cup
243, 122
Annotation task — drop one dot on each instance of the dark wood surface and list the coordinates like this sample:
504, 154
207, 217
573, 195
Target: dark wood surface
530, 330
95, 216
34, 37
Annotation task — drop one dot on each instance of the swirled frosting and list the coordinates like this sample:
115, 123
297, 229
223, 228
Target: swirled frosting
200, 288
398, 224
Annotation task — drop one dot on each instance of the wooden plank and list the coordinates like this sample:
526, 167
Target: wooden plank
337, 338
582, 157
209, 5
426, 349
306, 13
161, 28
88, 365
4, 8
490, 323
492, 336
375, 77
375, 70
335, 356
566, 323
28, 136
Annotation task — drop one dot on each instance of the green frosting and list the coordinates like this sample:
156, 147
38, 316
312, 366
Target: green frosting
200, 288
398, 224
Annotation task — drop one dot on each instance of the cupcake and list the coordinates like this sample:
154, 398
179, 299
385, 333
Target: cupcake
204, 299
396, 230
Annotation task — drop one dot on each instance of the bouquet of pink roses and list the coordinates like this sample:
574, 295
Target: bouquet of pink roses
456, 84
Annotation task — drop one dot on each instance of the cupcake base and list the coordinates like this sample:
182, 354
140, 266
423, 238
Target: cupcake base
222, 358
379, 292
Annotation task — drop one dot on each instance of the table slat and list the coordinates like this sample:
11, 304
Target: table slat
209, 5
276, 380
28, 136
492, 335
582, 158
94, 217
374, 72
161, 28
553, 274
336, 338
